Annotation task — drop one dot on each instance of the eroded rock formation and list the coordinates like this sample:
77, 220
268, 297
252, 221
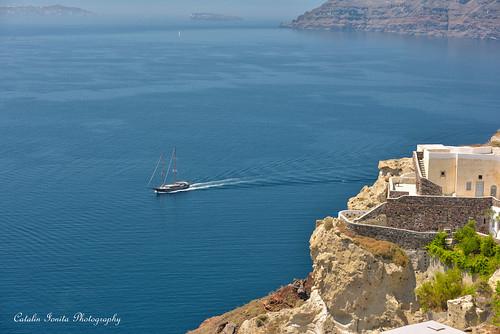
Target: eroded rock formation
362, 281
495, 139
371, 196
358, 283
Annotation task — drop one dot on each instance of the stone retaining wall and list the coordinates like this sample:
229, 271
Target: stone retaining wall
373, 213
402, 237
432, 213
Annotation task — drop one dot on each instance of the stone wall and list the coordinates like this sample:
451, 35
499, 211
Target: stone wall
397, 194
373, 214
404, 238
432, 213
429, 188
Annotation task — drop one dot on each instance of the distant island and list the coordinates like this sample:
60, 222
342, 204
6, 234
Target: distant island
214, 17
441, 18
53, 10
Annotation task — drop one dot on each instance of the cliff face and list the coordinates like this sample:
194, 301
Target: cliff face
443, 18
371, 196
495, 139
358, 283
366, 284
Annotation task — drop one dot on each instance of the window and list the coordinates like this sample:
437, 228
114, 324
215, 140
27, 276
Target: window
493, 191
443, 173
468, 186
480, 177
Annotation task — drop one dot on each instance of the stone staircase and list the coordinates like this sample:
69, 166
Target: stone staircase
422, 168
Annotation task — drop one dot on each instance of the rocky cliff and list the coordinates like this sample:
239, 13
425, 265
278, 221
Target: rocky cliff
443, 18
495, 139
358, 283
371, 196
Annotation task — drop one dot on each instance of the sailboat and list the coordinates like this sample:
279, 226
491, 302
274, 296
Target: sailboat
164, 187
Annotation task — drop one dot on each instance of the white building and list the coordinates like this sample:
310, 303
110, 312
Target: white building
464, 171
455, 171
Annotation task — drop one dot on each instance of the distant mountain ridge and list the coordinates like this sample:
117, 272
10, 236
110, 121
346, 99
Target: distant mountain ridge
53, 10
214, 17
444, 18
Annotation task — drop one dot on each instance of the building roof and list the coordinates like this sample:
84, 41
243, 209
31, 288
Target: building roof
476, 150
428, 327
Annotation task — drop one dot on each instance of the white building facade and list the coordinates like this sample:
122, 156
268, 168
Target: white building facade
463, 171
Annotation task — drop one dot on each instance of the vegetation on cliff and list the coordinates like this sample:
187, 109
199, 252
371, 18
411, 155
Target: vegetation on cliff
471, 253
433, 295
496, 306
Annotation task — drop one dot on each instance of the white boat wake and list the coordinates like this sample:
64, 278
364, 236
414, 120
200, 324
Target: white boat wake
211, 184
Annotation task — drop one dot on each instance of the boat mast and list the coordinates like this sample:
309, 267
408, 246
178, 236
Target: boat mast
169, 165
175, 165
163, 170
156, 168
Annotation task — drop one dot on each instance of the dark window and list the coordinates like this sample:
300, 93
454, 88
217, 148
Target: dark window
443, 173
493, 191
480, 177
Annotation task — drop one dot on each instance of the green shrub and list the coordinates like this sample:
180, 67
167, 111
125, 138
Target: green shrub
488, 246
467, 239
496, 306
472, 253
439, 241
434, 294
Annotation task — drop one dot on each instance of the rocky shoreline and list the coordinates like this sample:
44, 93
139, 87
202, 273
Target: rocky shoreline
439, 18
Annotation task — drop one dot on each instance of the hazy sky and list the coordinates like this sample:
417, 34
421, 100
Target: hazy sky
279, 9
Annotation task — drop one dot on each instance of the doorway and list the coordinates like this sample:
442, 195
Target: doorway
479, 188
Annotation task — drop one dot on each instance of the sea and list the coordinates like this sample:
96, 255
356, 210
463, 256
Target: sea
275, 128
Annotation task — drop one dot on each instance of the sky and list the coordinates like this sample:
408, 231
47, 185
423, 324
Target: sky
266, 9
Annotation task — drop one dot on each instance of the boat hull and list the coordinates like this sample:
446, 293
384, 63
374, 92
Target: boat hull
170, 188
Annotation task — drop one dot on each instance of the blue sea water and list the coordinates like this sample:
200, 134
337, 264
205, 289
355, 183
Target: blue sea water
276, 127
